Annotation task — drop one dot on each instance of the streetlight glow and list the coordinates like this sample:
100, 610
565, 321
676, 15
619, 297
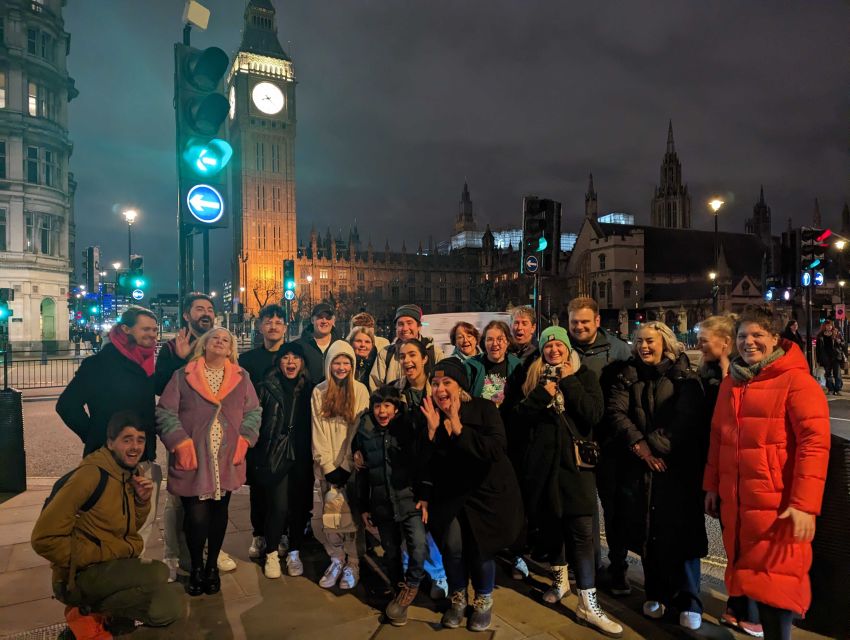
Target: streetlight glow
116, 265
841, 283
130, 215
713, 275
242, 289
715, 204
212, 294
309, 278
840, 244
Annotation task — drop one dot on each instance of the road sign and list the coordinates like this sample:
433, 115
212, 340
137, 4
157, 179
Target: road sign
818, 278
806, 280
840, 312
531, 264
138, 294
289, 294
205, 203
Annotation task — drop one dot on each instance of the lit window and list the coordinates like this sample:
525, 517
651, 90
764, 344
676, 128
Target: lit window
2, 89
323, 274
32, 101
29, 232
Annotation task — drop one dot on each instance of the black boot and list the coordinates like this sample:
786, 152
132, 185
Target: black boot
212, 583
195, 586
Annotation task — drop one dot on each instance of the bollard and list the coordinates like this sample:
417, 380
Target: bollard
13, 470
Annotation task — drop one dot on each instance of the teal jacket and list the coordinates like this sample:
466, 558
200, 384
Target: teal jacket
476, 372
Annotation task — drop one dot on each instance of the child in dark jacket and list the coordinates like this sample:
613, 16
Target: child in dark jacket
392, 495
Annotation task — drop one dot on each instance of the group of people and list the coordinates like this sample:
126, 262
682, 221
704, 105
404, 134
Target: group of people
447, 461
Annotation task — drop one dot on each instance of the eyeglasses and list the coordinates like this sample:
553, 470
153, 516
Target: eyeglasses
499, 340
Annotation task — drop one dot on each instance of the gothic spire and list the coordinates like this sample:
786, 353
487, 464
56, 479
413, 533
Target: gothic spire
761, 194
259, 34
591, 209
671, 147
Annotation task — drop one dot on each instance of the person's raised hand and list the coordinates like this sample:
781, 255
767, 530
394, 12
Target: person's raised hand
804, 523
432, 417
182, 345
143, 488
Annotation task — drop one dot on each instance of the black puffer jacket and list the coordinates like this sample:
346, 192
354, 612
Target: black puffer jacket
665, 406
391, 484
284, 402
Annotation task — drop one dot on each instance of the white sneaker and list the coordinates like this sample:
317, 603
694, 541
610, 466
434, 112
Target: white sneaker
690, 620
283, 546
588, 612
350, 576
257, 548
225, 562
294, 566
172, 564
272, 568
560, 585
331, 574
653, 609
439, 589
520, 569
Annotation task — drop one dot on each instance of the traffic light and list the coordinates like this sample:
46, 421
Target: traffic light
201, 154
289, 275
813, 246
6, 296
541, 234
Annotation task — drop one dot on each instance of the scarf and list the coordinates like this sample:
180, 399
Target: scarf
142, 356
742, 372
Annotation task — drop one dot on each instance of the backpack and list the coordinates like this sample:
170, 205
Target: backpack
92, 499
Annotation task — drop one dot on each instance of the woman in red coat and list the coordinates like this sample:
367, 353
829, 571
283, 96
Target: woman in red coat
766, 471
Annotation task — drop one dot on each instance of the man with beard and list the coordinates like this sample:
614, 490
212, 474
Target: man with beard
88, 530
408, 325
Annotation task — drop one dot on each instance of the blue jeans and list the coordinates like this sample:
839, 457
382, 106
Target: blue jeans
411, 531
463, 560
673, 582
433, 560
832, 372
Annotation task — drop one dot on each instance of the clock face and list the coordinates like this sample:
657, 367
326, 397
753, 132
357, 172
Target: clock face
267, 97
232, 102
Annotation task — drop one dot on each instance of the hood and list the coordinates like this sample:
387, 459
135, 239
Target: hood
340, 347
103, 458
793, 359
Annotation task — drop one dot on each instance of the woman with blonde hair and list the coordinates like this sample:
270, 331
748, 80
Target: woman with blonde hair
656, 409
363, 340
207, 417
337, 404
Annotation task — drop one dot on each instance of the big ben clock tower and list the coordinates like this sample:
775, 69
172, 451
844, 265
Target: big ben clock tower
261, 129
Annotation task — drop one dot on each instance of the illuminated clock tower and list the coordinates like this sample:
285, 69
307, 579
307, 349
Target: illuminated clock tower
261, 129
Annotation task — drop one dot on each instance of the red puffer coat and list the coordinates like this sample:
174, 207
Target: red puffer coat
769, 450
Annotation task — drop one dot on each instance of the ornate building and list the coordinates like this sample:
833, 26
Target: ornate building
36, 188
261, 129
671, 206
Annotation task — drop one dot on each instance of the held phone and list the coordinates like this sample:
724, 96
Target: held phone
551, 372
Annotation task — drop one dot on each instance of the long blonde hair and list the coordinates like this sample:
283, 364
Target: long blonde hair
672, 347
201, 344
532, 378
339, 397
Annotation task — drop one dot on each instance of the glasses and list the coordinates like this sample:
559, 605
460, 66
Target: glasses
499, 340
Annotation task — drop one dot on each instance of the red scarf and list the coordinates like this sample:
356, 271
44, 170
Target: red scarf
142, 356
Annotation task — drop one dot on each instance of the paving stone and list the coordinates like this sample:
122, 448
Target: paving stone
24, 616
25, 585
23, 557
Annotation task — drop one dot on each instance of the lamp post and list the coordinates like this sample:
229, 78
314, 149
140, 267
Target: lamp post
714, 204
712, 276
130, 216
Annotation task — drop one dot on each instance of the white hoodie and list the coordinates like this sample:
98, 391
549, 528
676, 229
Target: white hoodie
332, 436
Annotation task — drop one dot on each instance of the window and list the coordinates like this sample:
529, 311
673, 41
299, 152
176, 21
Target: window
32, 165
2, 89
32, 41
47, 48
602, 262
627, 289
261, 156
444, 294
378, 291
342, 290
324, 291
323, 274
29, 234
2, 159
394, 293
45, 232
427, 295
2, 31
602, 290
32, 102
361, 276
411, 293
51, 168
458, 294
3, 225
342, 275
275, 158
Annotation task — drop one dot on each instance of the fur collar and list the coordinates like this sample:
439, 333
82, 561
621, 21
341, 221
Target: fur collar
196, 379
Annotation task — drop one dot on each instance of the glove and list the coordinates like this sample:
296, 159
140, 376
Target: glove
187, 459
241, 449
338, 477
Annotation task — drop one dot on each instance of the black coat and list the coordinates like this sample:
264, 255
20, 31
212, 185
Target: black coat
553, 485
472, 476
314, 358
257, 362
104, 384
167, 362
284, 402
665, 406
391, 484
364, 367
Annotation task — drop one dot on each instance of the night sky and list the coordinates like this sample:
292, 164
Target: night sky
399, 102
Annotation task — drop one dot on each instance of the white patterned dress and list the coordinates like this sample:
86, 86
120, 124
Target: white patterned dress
214, 379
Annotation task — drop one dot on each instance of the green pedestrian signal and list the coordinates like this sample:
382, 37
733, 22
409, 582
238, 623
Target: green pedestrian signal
289, 275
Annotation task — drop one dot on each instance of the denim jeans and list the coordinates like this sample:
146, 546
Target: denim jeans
673, 582
833, 377
463, 559
410, 531
776, 623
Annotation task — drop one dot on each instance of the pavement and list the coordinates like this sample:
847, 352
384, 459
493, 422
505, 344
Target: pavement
250, 606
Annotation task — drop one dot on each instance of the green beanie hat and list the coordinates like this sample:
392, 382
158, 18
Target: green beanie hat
555, 333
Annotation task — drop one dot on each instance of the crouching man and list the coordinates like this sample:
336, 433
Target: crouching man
88, 530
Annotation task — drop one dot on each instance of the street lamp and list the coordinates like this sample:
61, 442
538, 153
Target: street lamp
714, 204
130, 216
213, 294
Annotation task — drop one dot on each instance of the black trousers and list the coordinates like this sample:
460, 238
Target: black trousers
777, 623
287, 508
204, 524
608, 477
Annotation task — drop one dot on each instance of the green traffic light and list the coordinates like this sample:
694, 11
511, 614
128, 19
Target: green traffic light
207, 158
290, 285
93, 309
139, 283
4, 313
542, 244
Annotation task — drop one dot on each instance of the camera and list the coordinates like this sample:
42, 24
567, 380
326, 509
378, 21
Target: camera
552, 373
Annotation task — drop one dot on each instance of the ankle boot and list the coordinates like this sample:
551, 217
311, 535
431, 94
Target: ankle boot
195, 586
397, 609
212, 583
591, 614
560, 585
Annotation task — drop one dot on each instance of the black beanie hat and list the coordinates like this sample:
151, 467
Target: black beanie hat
452, 368
294, 348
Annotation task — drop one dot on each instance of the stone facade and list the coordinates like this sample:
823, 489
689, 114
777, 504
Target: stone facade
36, 187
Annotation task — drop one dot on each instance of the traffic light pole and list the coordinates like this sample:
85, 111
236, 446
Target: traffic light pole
206, 235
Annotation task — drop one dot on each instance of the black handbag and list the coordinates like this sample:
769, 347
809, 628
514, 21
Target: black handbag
586, 452
281, 450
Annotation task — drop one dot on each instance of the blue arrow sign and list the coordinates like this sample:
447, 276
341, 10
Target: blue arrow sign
289, 294
531, 264
205, 203
138, 294
818, 279
806, 280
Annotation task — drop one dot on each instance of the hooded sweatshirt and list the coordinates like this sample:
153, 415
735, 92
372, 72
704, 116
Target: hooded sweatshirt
332, 436
108, 531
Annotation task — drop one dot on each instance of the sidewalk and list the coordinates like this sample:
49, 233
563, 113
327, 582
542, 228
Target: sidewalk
250, 606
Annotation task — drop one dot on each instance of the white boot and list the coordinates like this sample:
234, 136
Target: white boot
591, 614
272, 568
560, 585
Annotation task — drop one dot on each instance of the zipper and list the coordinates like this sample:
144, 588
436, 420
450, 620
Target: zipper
737, 487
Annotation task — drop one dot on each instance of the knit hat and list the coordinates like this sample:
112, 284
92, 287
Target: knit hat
363, 319
410, 311
555, 333
452, 368
294, 348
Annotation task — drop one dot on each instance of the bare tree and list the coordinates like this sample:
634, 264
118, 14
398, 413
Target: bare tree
265, 291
